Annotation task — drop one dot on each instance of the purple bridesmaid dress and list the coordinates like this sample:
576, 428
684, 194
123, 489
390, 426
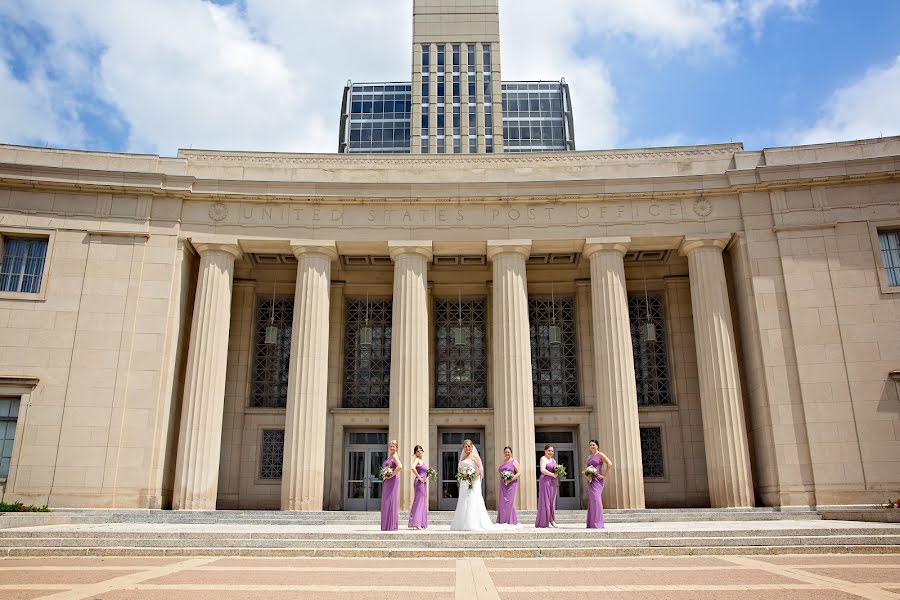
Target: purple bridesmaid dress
389, 490
418, 514
595, 491
546, 512
506, 503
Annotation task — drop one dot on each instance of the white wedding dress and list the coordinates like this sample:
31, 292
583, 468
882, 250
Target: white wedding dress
471, 513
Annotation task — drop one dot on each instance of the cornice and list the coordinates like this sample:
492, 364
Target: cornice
280, 160
184, 187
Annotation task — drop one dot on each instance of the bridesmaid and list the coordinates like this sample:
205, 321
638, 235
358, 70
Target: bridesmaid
546, 513
418, 513
506, 504
595, 485
390, 489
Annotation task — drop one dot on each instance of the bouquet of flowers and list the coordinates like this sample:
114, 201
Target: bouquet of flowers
560, 471
590, 472
386, 473
507, 475
467, 474
432, 474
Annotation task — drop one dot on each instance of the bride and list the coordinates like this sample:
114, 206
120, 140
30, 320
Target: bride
471, 514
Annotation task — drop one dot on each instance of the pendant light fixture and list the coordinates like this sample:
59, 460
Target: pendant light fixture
271, 330
555, 330
648, 329
365, 332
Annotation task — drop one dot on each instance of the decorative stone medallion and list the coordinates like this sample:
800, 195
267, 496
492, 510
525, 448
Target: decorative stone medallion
702, 207
219, 212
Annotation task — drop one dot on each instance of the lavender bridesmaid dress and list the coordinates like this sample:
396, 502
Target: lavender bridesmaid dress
546, 498
389, 490
506, 503
595, 491
418, 514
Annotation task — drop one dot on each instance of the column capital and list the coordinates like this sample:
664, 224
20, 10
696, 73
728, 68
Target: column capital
605, 244
420, 247
495, 247
692, 243
325, 247
208, 245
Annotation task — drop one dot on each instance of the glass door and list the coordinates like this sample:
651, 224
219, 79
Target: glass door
363, 455
566, 454
450, 447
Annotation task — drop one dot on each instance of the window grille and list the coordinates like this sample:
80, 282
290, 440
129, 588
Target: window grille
22, 264
460, 364
554, 367
272, 361
367, 366
651, 361
652, 453
271, 454
890, 251
9, 414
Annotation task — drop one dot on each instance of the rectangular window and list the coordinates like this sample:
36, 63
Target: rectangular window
367, 354
22, 264
652, 453
890, 252
486, 56
271, 454
426, 57
554, 351
272, 360
460, 363
646, 314
9, 415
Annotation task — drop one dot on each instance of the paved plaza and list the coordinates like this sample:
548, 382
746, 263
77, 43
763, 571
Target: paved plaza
673, 578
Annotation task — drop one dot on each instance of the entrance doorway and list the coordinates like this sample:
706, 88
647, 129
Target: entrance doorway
567, 455
449, 449
364, 452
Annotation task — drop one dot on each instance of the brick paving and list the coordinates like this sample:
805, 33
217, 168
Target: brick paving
796, 577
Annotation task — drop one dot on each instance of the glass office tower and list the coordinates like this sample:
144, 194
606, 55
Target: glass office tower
456, 102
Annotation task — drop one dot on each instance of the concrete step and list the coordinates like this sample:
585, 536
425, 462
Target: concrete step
358, 536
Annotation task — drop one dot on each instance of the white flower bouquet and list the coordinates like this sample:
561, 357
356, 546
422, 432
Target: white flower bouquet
386, 473
590, 472
467, 474
507, 475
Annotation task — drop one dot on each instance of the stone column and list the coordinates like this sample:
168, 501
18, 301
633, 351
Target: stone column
200, 441
724, 430
512, 387
409, 405
617, 410
303, 473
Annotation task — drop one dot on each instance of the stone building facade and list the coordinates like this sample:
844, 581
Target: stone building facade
247, 330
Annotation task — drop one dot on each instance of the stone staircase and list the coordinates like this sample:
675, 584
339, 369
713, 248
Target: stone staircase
346, 534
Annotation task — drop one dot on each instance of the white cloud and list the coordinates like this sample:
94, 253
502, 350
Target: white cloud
866, 108
190, 73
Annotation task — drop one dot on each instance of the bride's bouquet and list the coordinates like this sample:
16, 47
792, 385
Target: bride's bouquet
560, 471
467, 474
590, 472
507, 475
386, 473
432, 474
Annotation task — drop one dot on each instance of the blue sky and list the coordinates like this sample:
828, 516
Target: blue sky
157, 75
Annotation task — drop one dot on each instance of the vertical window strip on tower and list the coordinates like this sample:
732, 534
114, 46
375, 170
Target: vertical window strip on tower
554, 366
271, 454
651, 361
426, 96
367, 353
460, 363
22, 264
652, 453
471, 84
272, 361
9, 415
890, 252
